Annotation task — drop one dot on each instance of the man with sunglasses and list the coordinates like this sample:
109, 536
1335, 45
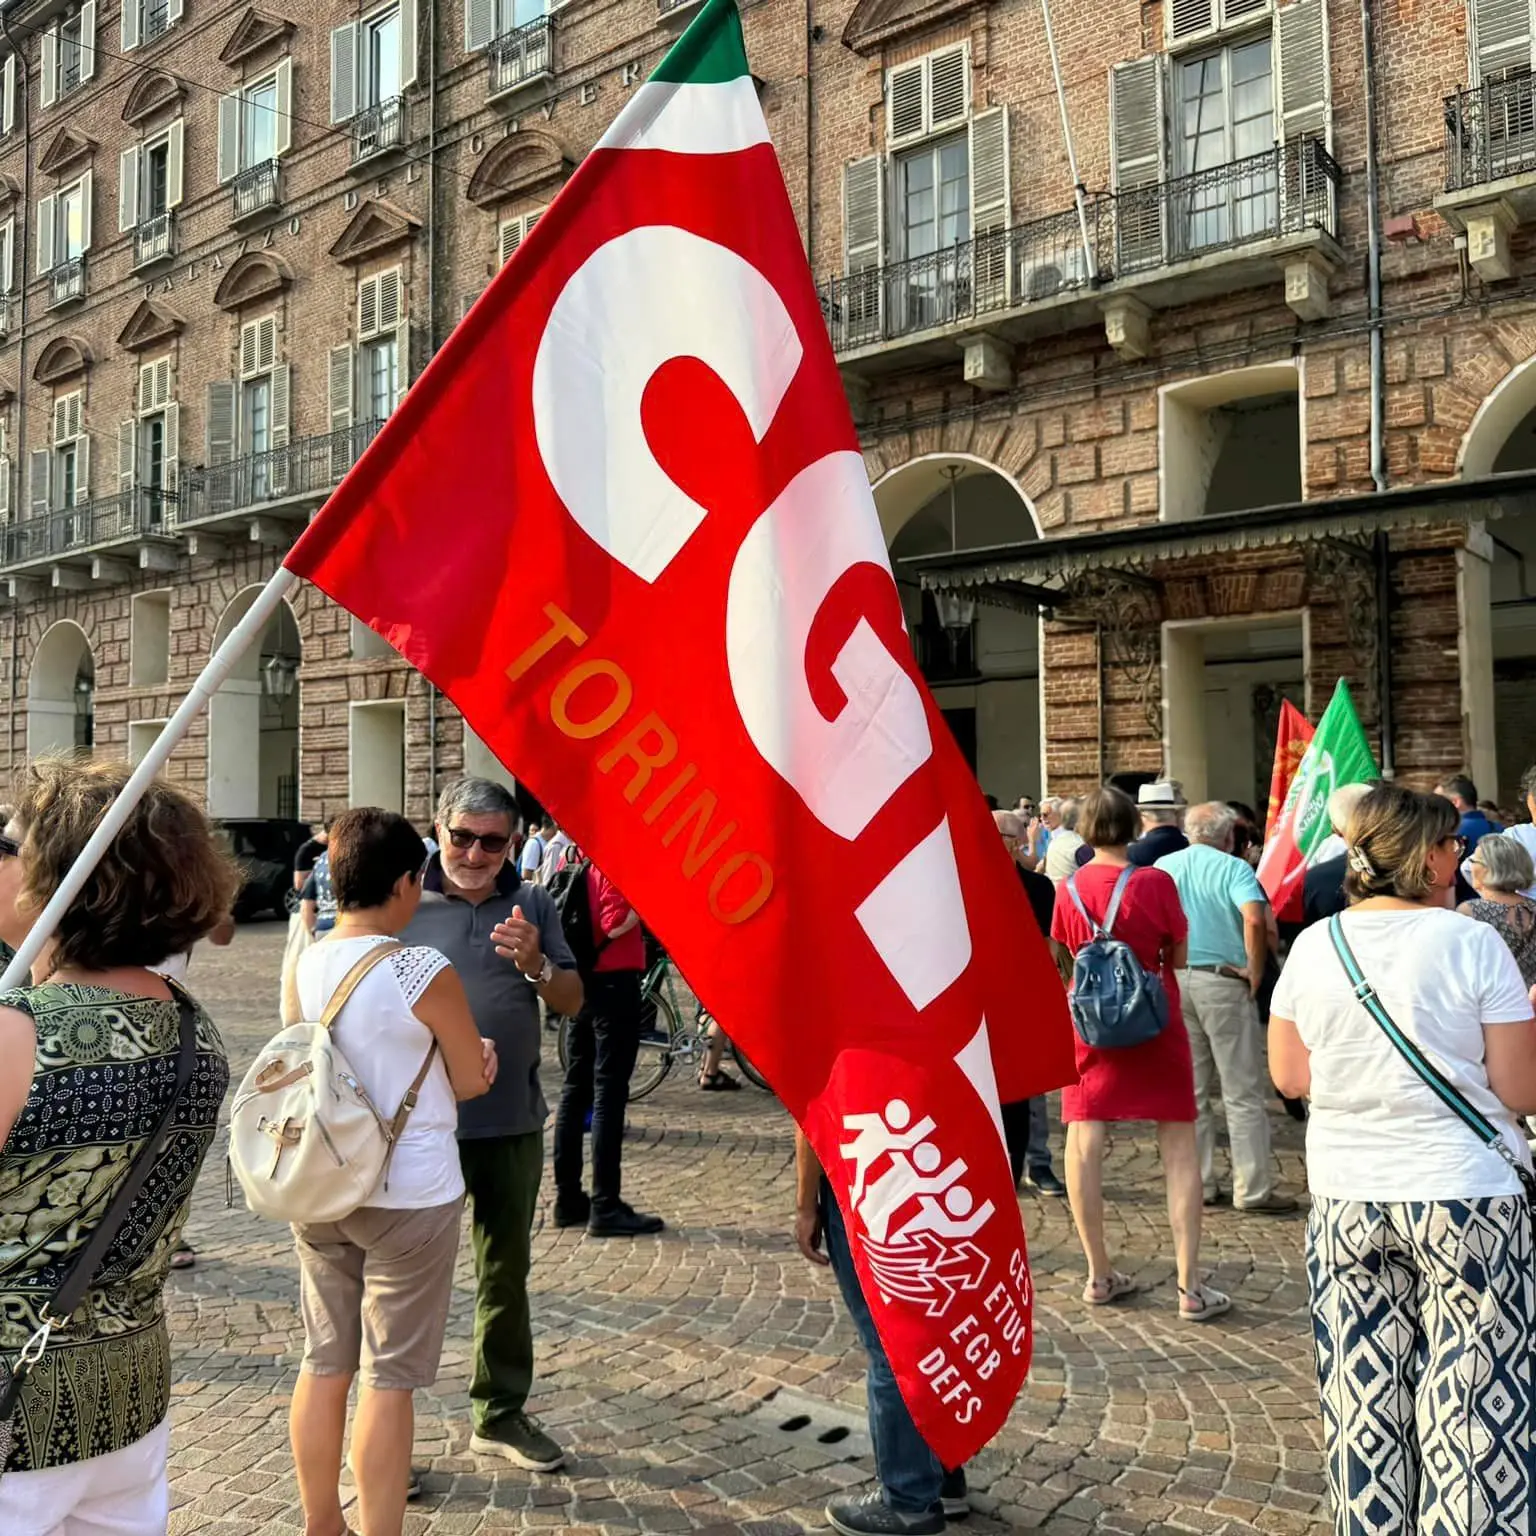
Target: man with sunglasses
504, 939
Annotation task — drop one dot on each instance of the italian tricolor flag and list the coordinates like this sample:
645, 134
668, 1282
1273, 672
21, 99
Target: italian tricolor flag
624, 523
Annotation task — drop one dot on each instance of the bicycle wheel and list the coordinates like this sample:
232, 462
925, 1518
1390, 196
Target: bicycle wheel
748, 1071
658, 1036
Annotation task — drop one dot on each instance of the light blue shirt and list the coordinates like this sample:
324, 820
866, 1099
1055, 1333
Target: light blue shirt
1214, 887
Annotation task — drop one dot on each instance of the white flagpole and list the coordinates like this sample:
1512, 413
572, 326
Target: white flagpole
208, 683
1066, 134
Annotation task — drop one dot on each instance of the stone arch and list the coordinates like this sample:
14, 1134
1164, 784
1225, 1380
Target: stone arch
152, 92
61, 687
253, 720
62, 359
903, 490
1497, 419
254, 276
521, 165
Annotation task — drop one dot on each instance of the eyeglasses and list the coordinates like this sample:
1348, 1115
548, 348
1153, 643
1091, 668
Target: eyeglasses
492, 842
9, 848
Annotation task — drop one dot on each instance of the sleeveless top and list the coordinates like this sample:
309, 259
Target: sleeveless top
385, 1044
104, 1068
1515, 923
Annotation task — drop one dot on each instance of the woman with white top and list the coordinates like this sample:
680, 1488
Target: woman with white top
375, 1286
1419, 1244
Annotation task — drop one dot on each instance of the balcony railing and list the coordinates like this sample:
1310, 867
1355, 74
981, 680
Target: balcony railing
378, 129
1286, 190
1490, 132
132, 514
257, 189
1006, 269
522, 55
157, 20
66, 282
308, 467
154, 240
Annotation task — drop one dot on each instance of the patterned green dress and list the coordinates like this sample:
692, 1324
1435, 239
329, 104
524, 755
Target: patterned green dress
105, 1066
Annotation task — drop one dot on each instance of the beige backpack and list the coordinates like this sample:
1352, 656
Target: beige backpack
305, 1141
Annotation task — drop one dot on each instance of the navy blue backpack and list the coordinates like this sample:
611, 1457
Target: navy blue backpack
1116, 1002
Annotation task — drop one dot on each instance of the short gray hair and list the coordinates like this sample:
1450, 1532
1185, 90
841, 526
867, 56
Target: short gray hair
1342, 803
1212, 823
1506, 864
1071, 809
1161, 815
477, 797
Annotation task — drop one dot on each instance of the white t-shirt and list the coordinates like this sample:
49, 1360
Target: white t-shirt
1376, 1132
385, 1043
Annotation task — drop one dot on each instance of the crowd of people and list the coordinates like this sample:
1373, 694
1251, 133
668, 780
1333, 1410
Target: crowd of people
1399, 1013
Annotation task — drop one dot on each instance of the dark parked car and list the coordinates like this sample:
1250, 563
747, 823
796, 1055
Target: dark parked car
264, 848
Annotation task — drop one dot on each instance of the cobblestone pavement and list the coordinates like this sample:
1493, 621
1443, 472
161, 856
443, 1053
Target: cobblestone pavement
707, 1380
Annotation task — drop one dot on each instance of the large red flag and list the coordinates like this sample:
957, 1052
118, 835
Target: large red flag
1291, 740
623, 522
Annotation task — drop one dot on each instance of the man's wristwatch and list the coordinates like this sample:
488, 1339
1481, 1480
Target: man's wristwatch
544, 974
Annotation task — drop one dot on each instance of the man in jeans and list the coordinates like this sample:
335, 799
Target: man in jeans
505, 941
1228, 943
915, 1493
603, 1042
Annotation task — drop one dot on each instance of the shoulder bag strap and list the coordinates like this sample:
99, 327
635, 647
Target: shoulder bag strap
1116, 897
348, 986
1429, 1074
62, 1304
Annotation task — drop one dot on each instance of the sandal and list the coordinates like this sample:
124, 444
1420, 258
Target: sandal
1114, 1286
1203, 1304
719, 1082
183, 1256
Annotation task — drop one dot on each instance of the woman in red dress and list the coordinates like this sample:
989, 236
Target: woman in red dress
1154, 1081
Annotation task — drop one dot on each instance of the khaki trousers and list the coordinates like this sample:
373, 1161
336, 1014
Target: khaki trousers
1224, 1040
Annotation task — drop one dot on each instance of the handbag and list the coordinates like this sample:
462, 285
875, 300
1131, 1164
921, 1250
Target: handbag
61, 1306
1433, 1079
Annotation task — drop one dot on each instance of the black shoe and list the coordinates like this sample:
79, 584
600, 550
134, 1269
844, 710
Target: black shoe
522, 1442
573, 1210
625, 1221
413, 1488
1045, 1183
870, 1515
954, 1498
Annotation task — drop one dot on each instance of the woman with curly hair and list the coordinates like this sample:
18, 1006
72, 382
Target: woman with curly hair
1408, 1027
88, 1064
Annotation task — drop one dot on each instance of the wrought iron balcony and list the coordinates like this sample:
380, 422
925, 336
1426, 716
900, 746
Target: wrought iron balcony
154, 240
1490, 132
307, 469
1287, 190
66, 282
378, 129
91, 526
995, 273
522, 56
258, 189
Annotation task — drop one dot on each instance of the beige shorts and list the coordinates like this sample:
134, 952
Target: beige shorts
374, 1289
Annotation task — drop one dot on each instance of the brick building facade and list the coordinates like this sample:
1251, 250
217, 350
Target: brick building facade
229, 238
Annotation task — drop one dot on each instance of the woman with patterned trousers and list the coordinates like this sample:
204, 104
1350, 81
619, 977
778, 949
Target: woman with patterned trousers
1419, 1247
88, 1064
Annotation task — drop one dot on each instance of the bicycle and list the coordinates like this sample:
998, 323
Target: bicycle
665, 1036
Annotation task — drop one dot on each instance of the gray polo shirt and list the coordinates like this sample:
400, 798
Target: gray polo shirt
503, 1001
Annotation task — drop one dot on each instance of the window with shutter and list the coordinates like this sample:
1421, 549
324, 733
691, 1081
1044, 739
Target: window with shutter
39, 474
7, 470
389, 299
990, 211
905, 112
228, 156
128, 188
170, 463
1189, 18
949, 88
344, 73
1500, 37
127, 454
8, 84
339, 388
1137, 138
283, 127
220, 422
368, 307
48, 66
1305, 90
509, 237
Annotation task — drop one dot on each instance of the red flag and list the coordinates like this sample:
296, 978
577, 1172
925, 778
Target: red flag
623, 522
1291, 740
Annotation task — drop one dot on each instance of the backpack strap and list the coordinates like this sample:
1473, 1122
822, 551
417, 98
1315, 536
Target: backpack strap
348, 986
1105, 929
1116, 896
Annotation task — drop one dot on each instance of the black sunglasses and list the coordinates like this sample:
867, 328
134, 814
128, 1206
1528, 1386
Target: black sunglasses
9, 849
493, 842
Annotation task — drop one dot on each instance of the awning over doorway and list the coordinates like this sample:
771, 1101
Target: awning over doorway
1041, 574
